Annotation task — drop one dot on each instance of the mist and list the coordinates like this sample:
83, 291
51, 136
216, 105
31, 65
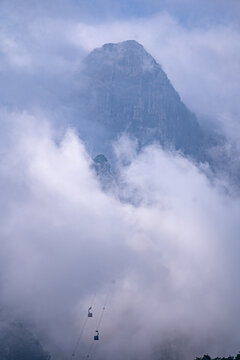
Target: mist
167, 261
158, 249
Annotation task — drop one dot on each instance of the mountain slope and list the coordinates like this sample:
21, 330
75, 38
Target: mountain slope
125, 90
17, 343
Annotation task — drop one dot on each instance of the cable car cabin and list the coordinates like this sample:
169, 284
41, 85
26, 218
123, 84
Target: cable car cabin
89, 312
96, 337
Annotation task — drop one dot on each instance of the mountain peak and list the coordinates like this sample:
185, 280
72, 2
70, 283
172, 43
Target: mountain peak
128, 55
126, 45
124, 90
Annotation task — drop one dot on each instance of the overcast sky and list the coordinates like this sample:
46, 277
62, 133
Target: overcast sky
173, 250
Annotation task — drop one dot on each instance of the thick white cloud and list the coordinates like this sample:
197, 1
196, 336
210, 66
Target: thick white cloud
172, 251
172, 254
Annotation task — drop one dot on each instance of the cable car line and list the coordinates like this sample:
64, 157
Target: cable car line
96, 336
89, 315
79, 338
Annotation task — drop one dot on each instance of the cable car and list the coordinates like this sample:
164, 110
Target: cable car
89, 312
96, 337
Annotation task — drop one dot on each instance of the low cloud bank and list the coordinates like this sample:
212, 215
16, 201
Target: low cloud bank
167, 262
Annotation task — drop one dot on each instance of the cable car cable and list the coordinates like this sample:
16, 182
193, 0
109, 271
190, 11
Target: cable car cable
82, 329
93, 345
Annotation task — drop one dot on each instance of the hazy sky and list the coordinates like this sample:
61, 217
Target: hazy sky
173, 250
196, 42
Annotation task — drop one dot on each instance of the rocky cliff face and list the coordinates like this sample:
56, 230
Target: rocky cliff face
17, 343
122, 89
125, 90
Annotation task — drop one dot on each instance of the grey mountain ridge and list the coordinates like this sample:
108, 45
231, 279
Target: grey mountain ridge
103, 169
17, 343
126, 91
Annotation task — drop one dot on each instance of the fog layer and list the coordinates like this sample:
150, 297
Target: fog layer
166, 261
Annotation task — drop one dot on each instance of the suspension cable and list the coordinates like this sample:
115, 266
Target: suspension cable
81, 331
